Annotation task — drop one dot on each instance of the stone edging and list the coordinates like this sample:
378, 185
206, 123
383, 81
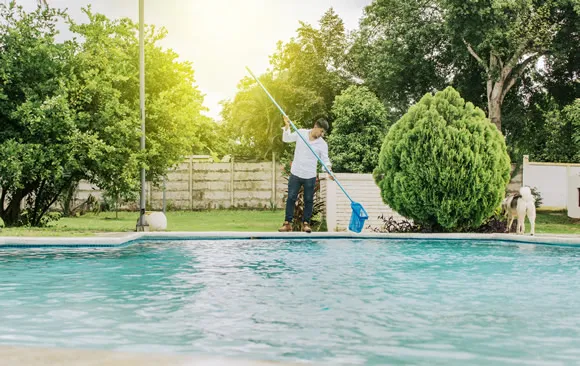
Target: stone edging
124, 239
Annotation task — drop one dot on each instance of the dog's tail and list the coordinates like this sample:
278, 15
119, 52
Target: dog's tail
527, 194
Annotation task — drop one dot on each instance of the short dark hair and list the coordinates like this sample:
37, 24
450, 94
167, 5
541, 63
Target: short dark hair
322, 123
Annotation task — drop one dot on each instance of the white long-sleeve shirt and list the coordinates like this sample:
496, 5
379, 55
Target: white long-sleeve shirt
305, 163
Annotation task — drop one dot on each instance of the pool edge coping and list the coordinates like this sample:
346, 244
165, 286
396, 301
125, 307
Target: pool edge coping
125, 239
22, 355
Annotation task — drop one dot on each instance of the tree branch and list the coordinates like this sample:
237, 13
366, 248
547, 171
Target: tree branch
517, 74
489, 88
497, 59
516, 56
50, 204
475, 55
508, 87
56, 196
37, 201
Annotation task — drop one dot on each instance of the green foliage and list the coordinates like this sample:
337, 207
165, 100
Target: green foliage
174, 124
559, 145
502, 27
307, 73
400, 51
562, 63
254, 124
405, 49
546, 130
69, 111
537, 197
316, 58
572, 115
40, 146
443, 164
360, 124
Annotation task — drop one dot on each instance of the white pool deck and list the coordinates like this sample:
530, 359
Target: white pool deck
123, 239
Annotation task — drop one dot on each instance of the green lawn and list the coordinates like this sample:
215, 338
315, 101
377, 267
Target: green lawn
556, 222
176, 221
90, 224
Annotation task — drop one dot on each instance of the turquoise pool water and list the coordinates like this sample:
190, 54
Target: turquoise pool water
351, 302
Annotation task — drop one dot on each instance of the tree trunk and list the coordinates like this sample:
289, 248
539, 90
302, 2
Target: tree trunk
494, 102
501, 77
36, 207
11, 216
495, 113
2, 198
67, 201
47, 207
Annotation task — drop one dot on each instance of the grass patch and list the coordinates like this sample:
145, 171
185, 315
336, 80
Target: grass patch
555, 222
547, 222
223, 220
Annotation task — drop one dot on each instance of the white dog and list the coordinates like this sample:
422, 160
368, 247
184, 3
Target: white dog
520, 205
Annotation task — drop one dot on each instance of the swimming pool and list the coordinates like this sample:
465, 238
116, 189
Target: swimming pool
340, 301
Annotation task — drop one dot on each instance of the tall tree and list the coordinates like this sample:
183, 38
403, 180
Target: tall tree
307, 73
316, 58
400, 51
173, 102
505, 37
360, 124
40, 148
407, 48
561, 64
69, 111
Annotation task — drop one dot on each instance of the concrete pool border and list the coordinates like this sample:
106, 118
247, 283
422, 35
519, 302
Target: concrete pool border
43, 356
125, 239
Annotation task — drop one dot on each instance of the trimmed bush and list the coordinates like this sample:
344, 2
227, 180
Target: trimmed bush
443, 164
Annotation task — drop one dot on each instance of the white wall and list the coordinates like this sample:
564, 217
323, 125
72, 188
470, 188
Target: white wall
362, 189
551, 180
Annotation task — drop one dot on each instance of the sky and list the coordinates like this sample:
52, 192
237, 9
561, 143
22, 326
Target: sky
220, 37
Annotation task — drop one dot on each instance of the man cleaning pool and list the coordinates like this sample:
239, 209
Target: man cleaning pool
303, 169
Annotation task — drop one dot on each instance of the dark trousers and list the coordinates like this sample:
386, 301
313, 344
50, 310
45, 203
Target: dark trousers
294, 184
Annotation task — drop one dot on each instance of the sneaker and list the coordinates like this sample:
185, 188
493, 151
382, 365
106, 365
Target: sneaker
286, 227
306, 227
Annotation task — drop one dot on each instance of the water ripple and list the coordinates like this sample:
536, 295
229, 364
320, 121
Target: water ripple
351, 302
